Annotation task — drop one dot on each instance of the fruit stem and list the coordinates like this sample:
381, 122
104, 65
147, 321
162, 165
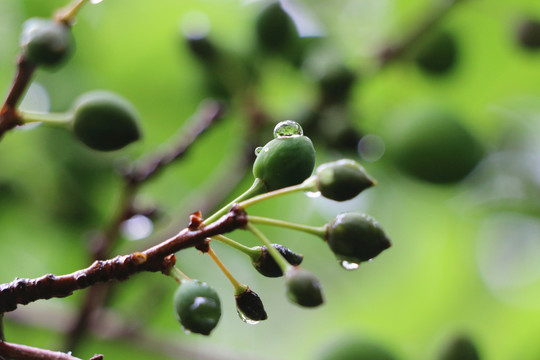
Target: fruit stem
177, 274
314, 230
238, 288
56, 119
256, 188
279, 259
67, 14
307, 185
251, 252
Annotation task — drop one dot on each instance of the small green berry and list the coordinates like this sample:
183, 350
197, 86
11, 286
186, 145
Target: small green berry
287, 160
439, 54
275, 30
303, 288
105, 121
431, 144
197, 306
266, 265
250, 306
351, 348
45, 41
355, 237
460, 348
528, 34
342, 180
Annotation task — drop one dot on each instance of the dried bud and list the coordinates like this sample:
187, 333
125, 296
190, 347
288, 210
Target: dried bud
356, 237
266, 264
303, 288
250, 306
197, 306
342, 180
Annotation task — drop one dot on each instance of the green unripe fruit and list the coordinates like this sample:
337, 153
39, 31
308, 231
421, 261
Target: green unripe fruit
336, 84
197, 306
355, 237
303, 288
528, 34
45, 41
266, 265
432, 145
275, 30
438, 55
342, 180
287, 160
105, 121
355, 349
250, 306
460, 348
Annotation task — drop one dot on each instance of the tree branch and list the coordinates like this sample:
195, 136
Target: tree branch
24, 352
154, 259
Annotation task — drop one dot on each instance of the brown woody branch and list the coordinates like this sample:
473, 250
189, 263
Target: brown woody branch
154, 259
9, 118
23, 352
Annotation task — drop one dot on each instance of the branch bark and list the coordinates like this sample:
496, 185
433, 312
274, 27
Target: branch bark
24, 352
154, 259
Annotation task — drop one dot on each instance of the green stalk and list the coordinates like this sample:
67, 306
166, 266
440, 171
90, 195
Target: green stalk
238, 287
252, 253
177, 274
255, 189
314, 230
56, 119
280, 260
307, 185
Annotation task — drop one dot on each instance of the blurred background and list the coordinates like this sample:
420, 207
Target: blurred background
439, 100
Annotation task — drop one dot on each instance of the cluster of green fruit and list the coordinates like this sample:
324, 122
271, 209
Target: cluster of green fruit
101, 120
285, 165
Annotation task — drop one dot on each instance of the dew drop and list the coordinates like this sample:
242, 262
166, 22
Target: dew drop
245, 319
186, 330
258, 150
95, 1
349, 265
313, 194
288, 128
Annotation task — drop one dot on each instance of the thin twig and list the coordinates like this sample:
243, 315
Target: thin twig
154, 259
395, 51
24, 352
209, 112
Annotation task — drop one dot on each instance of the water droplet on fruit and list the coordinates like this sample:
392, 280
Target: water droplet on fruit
245, 319
288, 128
349, 265
258, 150
313, 194
95, 1
186, 330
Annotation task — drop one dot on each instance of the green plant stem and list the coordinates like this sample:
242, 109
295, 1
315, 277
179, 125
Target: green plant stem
307, 185
58, 119
177, 274
280, 260
67, 15
251, 252
238, 288
255, 189
314, 230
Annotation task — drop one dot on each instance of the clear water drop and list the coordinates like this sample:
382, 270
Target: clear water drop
95, 1
258, 150
349, 265
313, 194
288, 128
245, 319
186, 330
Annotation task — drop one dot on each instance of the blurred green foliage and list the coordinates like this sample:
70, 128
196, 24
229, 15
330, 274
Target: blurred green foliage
464, 256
